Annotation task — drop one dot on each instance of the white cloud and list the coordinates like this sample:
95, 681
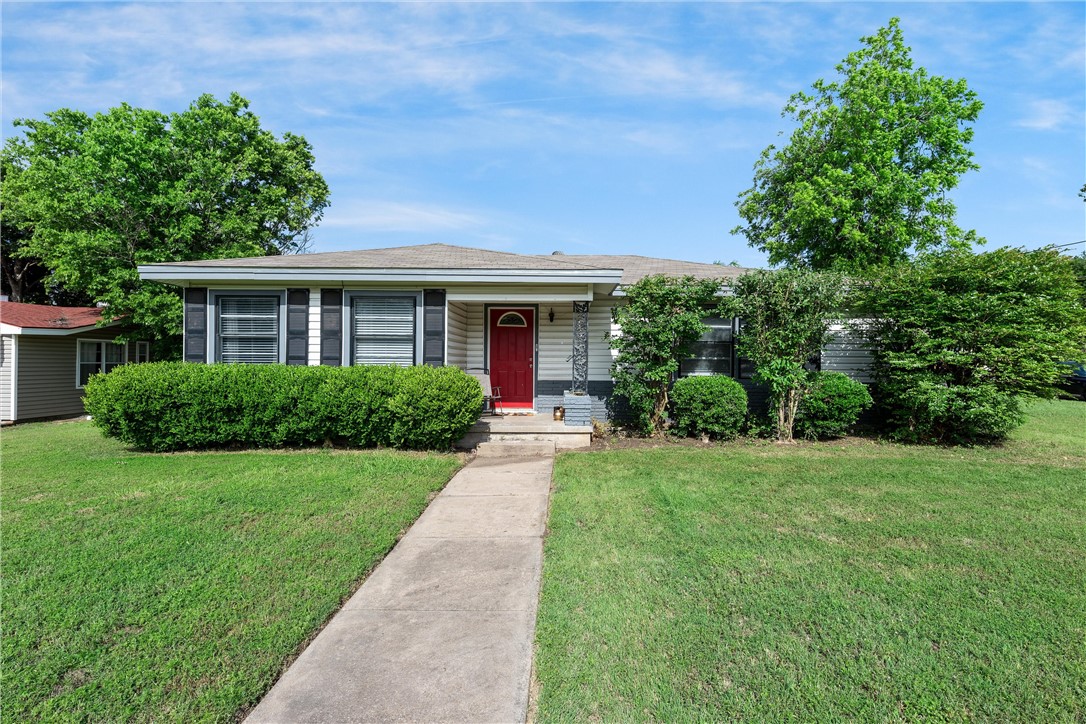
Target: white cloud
1047, 115
374, 215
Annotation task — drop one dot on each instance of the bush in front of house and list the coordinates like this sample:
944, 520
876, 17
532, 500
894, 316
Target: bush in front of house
929, 410
712, 406
165, 406
959, 340
832, 405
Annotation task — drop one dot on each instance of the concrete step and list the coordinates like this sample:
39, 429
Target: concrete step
520, 449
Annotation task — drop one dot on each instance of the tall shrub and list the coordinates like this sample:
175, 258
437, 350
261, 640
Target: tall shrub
785, 321
660, 322
957, 331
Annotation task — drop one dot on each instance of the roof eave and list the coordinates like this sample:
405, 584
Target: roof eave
186, 275
6, 328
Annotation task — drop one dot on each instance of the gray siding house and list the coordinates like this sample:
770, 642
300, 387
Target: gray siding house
47, 353
538, 325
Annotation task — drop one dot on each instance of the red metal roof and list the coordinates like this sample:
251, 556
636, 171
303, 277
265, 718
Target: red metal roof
40, 316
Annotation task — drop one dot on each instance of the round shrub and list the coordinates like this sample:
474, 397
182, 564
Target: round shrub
832, 406
165, 406
713, 406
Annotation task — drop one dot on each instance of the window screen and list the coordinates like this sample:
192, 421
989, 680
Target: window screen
248, 330
712, 354
383, 330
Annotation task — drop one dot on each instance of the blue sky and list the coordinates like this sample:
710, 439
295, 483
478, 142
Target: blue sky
587, 128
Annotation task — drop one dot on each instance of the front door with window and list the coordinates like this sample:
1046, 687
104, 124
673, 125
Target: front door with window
512, 355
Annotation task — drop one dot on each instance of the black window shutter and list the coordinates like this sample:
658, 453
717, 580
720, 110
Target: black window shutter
297, 326
433, 327
196, 324
332, 327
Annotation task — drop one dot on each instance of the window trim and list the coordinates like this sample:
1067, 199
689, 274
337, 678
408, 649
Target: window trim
213, 297
96, 340
347, 360
147, 346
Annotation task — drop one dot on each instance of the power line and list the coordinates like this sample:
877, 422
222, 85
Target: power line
1062, 246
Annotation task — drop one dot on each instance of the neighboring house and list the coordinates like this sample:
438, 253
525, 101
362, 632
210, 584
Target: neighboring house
47, 353
538, 324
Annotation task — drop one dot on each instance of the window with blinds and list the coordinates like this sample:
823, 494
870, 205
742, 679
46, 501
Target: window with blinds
712, 354
383, 331
248, 329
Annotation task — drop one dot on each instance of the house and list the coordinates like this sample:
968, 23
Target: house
538, 324
47, 354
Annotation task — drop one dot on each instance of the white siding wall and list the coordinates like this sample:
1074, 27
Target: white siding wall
556, 342
456, 339
314, 350
7, 365
600, 354
846, 353
474, 312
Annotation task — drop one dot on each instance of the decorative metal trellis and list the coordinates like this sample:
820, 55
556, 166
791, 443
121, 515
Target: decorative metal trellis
580, 347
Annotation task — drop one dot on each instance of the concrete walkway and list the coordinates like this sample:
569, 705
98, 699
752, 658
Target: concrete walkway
442, 630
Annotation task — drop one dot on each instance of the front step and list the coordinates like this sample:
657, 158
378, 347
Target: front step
514, 449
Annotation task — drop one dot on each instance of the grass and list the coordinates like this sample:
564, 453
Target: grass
856, 580
176, 587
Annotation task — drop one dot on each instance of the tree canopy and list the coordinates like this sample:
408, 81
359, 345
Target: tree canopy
863, 180
970, 331
94, 196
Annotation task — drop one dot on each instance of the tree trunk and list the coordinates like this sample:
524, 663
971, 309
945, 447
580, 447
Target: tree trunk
658, 410
786, 415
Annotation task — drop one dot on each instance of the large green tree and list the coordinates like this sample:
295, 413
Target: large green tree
863, 180
101, 194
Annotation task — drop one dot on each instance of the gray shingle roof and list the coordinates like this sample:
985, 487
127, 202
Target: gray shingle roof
634, 268
445, 256
424, 256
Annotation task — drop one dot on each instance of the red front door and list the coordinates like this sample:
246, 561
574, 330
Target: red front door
512, 355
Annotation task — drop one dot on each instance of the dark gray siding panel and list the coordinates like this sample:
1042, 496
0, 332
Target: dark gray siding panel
46, 375
332, 327
297, 326
433, 327
196, 324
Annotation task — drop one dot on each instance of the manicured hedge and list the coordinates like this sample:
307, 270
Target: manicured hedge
714, 406
166, 406
832, 406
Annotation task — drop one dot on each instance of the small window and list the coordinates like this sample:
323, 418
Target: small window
383, 331
95, 357
248, 329
143, 352
712, 354
512, 319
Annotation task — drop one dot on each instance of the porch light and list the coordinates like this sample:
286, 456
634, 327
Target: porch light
550, 315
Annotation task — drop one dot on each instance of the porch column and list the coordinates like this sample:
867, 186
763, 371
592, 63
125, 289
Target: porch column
580, 347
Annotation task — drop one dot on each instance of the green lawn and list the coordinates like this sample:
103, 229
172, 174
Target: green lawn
862, 581
175, 587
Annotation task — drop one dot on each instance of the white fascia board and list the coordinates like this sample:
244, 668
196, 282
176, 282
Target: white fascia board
52, 332
186, 275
